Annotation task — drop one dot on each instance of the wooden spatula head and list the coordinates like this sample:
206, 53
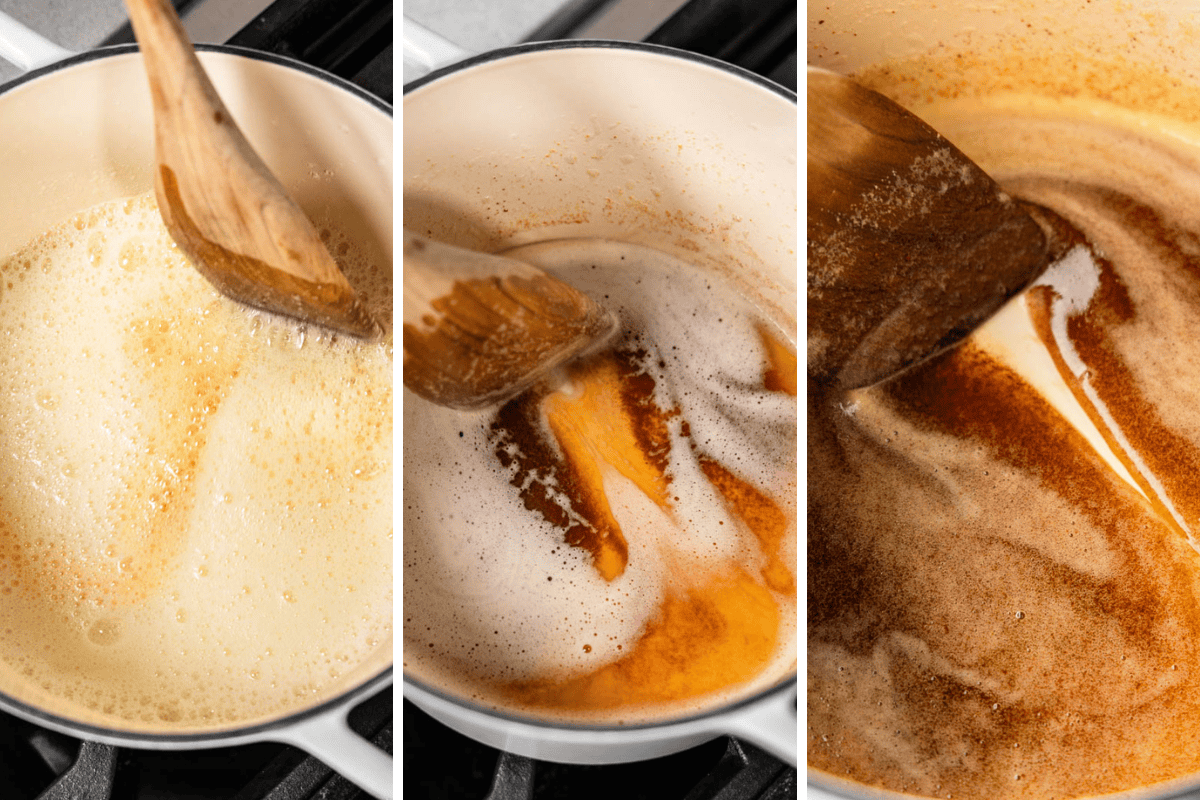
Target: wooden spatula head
480, 328
910, 244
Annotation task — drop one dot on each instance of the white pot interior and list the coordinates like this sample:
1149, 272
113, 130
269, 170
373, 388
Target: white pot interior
608, 142
83, 135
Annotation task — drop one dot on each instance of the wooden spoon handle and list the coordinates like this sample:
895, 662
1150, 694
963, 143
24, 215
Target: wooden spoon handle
220, 201
194, 131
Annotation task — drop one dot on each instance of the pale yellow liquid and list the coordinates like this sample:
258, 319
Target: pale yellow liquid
195, 498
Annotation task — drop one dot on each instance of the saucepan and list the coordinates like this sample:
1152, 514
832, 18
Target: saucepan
77, 131
624, 141
850, 36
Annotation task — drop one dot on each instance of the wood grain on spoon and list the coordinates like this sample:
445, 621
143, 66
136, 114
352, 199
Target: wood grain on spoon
479, 328
220, 202
910, 244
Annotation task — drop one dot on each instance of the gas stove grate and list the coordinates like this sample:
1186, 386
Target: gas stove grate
440, 764
41, 764
348, 38
743, 773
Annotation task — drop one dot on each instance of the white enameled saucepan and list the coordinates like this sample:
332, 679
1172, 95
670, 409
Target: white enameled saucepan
77, 130
624, 141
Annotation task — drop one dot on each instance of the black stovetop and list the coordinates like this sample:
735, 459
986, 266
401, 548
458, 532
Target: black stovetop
758, 35
349, 38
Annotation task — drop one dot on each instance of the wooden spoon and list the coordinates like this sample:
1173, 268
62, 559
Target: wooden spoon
480, 328
220, 202
910, 244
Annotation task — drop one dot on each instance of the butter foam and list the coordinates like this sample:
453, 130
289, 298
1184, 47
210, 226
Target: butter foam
195, 498
494, 598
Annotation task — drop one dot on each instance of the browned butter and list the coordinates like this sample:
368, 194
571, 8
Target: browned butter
617, 545
1000, 605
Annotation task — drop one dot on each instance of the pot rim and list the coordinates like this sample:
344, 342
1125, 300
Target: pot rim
530, 721
600, 44
584, 729
236, 733
824, 786
215, 737
228, 49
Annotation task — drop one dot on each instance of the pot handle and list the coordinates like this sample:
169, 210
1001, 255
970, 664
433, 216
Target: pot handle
330, 739
425, 51
25, 49
770, 725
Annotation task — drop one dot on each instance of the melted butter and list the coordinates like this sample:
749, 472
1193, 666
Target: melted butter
596, 435
781, 374
195, 499
723, 632
658, 475
996, 535
762, 516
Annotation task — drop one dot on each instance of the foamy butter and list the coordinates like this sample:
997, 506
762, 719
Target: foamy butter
195, 498
498, 606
